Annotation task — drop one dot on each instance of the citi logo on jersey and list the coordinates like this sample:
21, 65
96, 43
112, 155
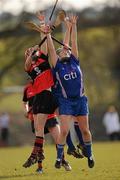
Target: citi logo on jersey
70, 76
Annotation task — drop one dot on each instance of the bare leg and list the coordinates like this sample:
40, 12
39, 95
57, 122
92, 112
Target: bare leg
86, 134
55, 132
37, 152
65, 123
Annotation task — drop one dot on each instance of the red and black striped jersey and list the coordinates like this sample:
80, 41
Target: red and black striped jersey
28, 93
41, 74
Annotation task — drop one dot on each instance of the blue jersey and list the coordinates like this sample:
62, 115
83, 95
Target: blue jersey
56, 89
70, 78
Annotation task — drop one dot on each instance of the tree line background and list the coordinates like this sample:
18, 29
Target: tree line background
99, 52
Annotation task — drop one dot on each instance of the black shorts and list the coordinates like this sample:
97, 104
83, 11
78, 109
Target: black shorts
44, 103
50, 123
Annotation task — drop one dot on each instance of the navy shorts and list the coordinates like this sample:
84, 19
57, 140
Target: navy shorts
75, 107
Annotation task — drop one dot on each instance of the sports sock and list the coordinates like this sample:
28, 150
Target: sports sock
79, 134
60, 149
88, 146
63, 156
38, 146
40, 164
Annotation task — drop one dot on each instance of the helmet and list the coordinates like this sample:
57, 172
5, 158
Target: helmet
27, 52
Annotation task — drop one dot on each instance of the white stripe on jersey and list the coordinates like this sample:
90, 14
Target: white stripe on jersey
63, 90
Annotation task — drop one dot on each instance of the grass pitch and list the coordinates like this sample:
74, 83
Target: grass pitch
107, 167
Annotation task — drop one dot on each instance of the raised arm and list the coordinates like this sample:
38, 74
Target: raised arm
43, 48
28, 57
41, 18
68, 26
52, 51
74, 36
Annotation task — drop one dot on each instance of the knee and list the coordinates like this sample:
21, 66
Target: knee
64, 132
39, 130
86, 132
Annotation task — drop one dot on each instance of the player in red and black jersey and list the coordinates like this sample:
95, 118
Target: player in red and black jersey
51, 126
38, 68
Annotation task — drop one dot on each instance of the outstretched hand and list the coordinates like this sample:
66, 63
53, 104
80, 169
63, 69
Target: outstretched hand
70, 20
73, 19
67, 23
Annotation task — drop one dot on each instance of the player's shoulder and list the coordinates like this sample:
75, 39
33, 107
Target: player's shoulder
27, 86
74, 58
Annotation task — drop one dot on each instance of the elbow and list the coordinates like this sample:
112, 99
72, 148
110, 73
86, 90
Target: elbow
26, 68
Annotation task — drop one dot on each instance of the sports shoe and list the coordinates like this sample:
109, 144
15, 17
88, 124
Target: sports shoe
39, 170
79, 146
66, 165
75, 153
58, 164
83, 149
31, 160
91, 162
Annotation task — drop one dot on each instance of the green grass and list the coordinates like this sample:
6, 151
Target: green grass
107, 156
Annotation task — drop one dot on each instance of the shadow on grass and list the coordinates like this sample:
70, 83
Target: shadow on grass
18, 176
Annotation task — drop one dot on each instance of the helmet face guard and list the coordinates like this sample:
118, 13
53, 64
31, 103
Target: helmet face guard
32, 50
27, 52
59, 50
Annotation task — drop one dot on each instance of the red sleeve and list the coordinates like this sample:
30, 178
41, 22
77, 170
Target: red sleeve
25, 99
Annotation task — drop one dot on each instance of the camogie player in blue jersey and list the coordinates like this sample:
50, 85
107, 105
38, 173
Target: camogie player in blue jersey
71, 98
72, 150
